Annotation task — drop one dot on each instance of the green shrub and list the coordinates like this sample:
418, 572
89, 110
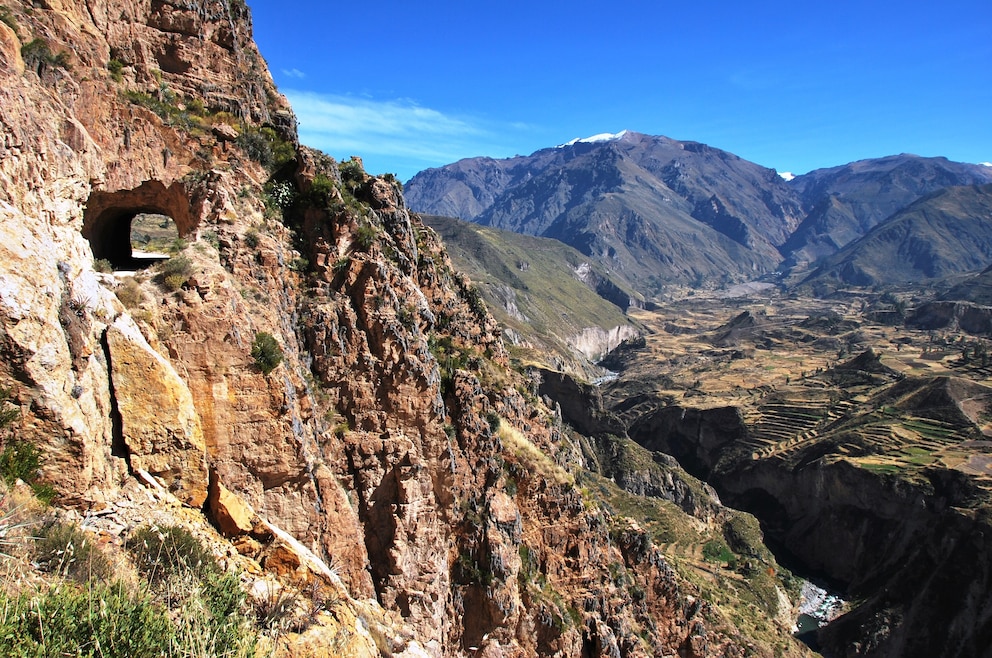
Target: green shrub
191, 609
279, 195
163, 552
266, 147
103, 265
351, 171
174, 282
255, 146
64, 549
37, 55
130, 293
475, 302
8, 414
7, 17
116, 68
321, 191
169, 107
212, 239
176, 246
266, 352
175, 272
366, 235
21, 460
210, 619
180, 265
97, 620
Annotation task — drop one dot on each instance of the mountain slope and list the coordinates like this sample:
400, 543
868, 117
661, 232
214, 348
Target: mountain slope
977, 289
553, 301
655, 209
845, 202
946, 233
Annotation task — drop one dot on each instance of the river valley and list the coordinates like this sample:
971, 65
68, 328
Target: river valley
858, 446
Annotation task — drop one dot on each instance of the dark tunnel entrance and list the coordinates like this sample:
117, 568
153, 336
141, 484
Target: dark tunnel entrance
153, 236
110, 216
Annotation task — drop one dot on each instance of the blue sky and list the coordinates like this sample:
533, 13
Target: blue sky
795, 86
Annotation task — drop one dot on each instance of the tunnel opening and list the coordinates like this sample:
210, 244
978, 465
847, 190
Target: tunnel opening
153, 238
133, 229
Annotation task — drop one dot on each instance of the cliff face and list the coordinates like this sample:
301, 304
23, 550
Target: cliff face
390, 440
910, 549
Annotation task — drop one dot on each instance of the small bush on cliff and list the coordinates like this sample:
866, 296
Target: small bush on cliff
175, 272
278, 196
365, 235
130, 293
66, 550
320, 193
265, 146
116, 68
266, 352
21, 460
162, 552
38, 56
8, 18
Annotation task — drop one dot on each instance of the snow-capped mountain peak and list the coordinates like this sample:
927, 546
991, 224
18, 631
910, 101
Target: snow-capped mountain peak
601, 137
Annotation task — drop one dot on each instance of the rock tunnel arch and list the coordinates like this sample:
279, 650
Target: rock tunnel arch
108, 216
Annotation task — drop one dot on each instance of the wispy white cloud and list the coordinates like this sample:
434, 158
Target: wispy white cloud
294, 73
404, 134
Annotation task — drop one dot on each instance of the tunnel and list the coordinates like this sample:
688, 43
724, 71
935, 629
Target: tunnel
108, 216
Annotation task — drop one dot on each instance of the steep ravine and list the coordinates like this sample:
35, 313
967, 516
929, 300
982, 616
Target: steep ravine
915, 554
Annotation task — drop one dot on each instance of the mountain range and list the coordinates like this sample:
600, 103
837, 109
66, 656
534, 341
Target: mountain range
660, 211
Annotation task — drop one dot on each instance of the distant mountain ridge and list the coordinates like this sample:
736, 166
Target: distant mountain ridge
846, 202
945, 233
661, 211
656, 209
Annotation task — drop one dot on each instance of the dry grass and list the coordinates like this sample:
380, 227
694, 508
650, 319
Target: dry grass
521, 447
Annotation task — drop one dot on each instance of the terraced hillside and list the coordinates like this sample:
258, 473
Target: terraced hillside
864, 447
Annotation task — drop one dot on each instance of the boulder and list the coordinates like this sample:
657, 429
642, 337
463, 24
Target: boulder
159, 424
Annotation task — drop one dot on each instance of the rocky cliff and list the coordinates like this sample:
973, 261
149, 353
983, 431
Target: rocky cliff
307, 368
906, 540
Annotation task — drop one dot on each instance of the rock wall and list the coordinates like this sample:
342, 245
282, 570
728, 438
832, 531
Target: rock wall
912, 553
970, 318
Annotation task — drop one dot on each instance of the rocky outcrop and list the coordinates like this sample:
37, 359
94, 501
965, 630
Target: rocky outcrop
160, 428
970, 318
580, 405
594, 342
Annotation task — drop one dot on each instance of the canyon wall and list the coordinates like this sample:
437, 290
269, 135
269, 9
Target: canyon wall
911, 551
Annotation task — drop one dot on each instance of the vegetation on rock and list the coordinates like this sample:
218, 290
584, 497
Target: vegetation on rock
266, 351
